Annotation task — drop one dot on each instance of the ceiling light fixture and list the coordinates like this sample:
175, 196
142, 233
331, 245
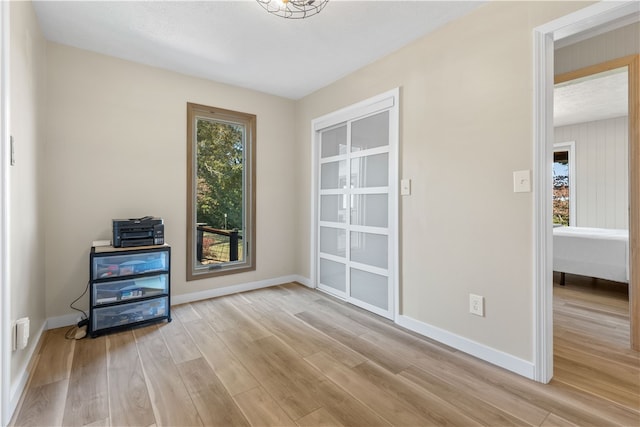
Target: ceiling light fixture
293, 9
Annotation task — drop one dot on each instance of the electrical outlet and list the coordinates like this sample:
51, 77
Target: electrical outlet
22, 333
476, 305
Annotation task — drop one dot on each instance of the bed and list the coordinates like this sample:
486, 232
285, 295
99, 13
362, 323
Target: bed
595, 252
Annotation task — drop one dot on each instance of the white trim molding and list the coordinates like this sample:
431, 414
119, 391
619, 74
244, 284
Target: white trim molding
481, 351
5, 295
20, 381
605, 13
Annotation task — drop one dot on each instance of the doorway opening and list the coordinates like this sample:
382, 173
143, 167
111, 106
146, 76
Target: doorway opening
598, 16
591, 324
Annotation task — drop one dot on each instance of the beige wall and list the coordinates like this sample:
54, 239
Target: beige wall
117, 149
466, 125
26, 225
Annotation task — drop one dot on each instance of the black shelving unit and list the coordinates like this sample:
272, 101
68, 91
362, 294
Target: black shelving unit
128, 287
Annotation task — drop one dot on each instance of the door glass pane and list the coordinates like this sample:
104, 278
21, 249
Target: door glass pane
370, 132
370, 171
333, 274
370, 288
370, 210
333, 208
370, 249
561, 187
333, 241
334, 142
333, 175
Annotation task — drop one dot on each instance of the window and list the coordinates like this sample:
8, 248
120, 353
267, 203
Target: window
221, 191
564, 190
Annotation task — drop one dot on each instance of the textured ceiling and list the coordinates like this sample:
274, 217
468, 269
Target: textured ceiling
239, 43
598, 97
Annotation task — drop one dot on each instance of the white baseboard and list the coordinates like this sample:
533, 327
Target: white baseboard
481, 351
228, 290
72, 319
62, 321
305, 281
20, 382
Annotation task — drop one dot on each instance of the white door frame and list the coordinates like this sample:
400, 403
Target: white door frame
387, 100
5, 336
544, 37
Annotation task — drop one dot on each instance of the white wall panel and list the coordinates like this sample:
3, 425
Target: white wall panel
602, 171
614, 44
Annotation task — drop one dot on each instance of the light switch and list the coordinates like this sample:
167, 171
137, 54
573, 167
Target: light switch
522, 181
405, 187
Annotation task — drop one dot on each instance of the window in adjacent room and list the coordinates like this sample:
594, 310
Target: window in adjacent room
564, 184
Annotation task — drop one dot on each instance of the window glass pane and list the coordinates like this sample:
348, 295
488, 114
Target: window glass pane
333, 175
334, 142
221, 178
219, 191
561, 185
370, 288
370, 132
333, 274
333, 208
333, 241
370, 171
370, 249
370, 210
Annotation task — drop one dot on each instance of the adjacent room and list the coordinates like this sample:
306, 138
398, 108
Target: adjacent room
268, 213
591, 209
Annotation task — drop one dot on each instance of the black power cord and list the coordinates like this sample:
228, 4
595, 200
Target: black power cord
73, 332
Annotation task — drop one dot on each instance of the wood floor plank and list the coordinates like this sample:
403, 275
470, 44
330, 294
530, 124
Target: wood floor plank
280, 371
457, 395
87, 396
291, 301
179, 342
211, 399
585, 378
392, 409
382, 356
586, 343
555, 421
345, 408
422, 400
569, 405
185, 313
56, 356
43, 405
223, 316
261, 410
129, 398
319, 418
450, 370
235, 377
306, 341
172, 405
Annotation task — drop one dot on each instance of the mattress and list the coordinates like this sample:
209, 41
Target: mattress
594, 252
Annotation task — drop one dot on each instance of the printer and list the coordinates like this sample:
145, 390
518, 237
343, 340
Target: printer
145, 231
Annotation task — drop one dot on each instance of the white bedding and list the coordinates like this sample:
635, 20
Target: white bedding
594, 252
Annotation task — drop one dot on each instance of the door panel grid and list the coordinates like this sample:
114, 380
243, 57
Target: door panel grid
355, 252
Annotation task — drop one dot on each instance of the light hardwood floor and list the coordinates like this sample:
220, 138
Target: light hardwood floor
291, 356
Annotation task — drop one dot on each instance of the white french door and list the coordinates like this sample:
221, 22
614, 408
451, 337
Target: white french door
356, 216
